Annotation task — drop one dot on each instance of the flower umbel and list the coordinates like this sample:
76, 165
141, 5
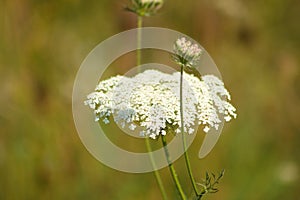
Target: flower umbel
145, 7
151, 100
186, 53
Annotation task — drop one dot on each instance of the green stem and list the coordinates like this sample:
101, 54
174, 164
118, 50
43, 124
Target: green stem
186, 156
199, 197
172, 169
139, 41
148, 146
157, 176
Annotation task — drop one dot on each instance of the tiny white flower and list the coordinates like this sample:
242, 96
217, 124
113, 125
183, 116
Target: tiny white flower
105, 120
206, 129
191, 130
152, 135
142, 134
132, 127
227, 118
178, 131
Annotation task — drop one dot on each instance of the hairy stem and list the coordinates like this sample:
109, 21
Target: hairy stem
157, 176
172, 170
186, 156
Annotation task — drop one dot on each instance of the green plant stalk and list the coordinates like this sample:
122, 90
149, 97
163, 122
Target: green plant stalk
157, 176
186, 156
139, 41
199, 197
172, 170
148, 145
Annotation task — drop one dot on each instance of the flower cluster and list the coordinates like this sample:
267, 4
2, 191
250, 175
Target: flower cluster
186, 53
151, 100
145, 7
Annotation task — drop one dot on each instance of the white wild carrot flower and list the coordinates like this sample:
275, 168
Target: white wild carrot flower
151, 100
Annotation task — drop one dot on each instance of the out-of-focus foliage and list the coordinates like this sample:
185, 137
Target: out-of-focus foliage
256, 45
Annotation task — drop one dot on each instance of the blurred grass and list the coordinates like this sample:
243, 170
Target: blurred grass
256, 45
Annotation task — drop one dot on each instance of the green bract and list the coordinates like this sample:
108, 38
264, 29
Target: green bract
144, 7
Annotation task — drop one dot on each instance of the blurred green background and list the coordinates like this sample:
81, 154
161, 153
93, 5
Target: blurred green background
256, 45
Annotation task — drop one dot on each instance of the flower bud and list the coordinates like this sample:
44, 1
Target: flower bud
145, 7
186, 53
